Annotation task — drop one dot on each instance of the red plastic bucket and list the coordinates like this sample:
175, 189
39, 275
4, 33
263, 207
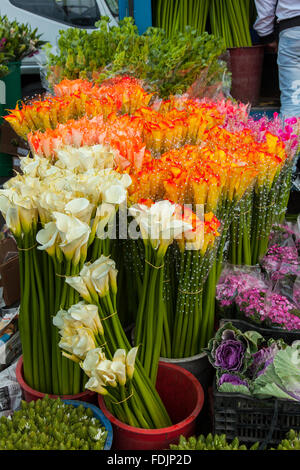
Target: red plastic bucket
246, 68
32, 395
183, 398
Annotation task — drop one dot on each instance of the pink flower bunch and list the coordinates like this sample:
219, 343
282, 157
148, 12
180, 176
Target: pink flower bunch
232, 285
281, 233
273, 309
251, 302
279, 309
281, 261
287, 130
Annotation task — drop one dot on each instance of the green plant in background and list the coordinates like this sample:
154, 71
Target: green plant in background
50, 424
17, 40
210, 442
174, 16
291, 442
168, 65
230, 19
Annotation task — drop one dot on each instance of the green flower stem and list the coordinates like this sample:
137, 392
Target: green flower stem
158, 325
212, 295
140, 317
142, 383
194, 323
148, 344
38, 364
96, 247
64, 368
181, 299
166, 339
132, 421
208, 308
25, 316
188, 307
55, 350
143, 423
43, 316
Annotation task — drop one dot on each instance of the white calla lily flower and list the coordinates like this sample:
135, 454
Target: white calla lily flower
119, 369
59, 319
88, 315
74, 235
47, 238
96, 384
83, 342
79, 285
80, 208
114, 194
92, 360
159, 223
130, 361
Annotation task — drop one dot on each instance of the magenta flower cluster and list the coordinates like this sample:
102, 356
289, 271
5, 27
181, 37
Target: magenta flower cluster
232, 285
274, 309
281, 261
251, 302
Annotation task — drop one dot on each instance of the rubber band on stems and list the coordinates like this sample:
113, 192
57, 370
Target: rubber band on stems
152, 265
122, 401
27, 249
190, 293
66, 275
114, 313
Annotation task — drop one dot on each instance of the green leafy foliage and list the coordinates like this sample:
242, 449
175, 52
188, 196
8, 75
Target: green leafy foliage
50, 424
210, 442
168, 65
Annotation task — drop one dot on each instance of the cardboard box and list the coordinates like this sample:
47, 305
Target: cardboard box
9, 271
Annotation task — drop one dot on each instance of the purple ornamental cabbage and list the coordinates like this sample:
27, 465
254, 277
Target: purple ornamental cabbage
229, 355
262, 359
232, 379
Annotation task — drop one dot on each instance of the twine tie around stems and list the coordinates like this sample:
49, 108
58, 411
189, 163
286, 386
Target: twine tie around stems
152, 265
122, 401
190, 293
109, 316
27, 249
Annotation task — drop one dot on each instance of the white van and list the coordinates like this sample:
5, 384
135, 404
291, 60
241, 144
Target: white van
50, 16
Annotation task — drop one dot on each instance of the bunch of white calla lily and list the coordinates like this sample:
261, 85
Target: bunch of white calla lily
110, 372
78, 315
113, 379
96, 279
84, 158
19, 210
159, 224
62, 214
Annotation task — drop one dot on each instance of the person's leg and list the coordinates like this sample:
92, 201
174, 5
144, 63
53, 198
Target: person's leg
289, 71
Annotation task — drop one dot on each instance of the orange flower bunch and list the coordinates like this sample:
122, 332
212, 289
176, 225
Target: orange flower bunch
126, 92
241, 148
49, 113
176, 123
193, 175
129, 149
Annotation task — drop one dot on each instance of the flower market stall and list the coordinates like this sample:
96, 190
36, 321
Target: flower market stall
140, 204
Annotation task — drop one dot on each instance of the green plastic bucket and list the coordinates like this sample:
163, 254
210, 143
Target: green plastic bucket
10, 93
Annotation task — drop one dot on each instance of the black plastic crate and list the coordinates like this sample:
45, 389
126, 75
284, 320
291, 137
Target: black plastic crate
275, 333
254, 420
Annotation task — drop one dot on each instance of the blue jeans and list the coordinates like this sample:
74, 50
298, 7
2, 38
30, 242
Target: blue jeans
289, 71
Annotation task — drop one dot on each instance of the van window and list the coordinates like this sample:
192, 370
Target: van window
73, 12
113, 5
